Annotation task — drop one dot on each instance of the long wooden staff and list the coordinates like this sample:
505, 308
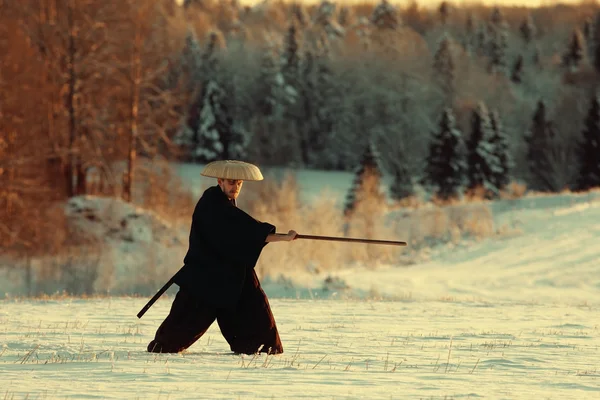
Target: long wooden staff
354, 240
313, 237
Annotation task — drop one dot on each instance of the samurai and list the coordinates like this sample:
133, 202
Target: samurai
218, 280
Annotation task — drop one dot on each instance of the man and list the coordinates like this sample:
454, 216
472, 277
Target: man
218, 280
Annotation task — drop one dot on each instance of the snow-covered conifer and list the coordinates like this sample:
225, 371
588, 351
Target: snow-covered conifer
402, 185
576, 51
498, 50
502, 169
446, 165
385, 16
517, 70
367, 179
589, 148
528, 29
481, 160
444, 66
539, 145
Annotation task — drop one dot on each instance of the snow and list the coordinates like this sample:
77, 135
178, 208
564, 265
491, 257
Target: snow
510, 316
125, 222
142, 247
334, 349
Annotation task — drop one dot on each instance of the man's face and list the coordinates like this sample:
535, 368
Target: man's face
231, 187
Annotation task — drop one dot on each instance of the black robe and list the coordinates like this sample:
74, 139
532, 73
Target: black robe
218, 281
224, 246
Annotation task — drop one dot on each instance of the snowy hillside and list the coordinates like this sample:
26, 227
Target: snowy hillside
130, 250
141, 248
544, 248
553, 254
556, 259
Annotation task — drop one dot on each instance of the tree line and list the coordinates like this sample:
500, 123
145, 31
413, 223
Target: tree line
316, 106
90, 87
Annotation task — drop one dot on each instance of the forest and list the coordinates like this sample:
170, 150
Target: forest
97, 96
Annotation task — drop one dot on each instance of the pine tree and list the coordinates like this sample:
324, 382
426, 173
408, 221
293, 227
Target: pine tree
588, 31
444, 11
444, 66
499, 142
589, 148
201, 142
498, 49
306, 106
469, 37
300, 15
402, 186
446, 162
576, 51
291, 72
324, 22
536, 58
364, 30
482, 42
470, 24
596, 40
367, 179
527, 29
325, 96
344, 16
385, 20
385, 16
208, 141
210, 60
517, 71
536, 134
269, 95
588, 34
291, 59
539, 145
192, 58
269, 86
191, 63
481, 158
496, 16
366, 203
314, 110
217, 135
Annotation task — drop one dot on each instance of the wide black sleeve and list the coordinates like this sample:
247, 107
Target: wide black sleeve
233, 234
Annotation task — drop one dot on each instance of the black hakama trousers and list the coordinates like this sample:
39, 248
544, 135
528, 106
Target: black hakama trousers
246, 327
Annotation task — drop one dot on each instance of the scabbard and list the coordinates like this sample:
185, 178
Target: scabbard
156, 296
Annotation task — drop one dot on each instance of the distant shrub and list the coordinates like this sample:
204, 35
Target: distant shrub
278, 202
432, 225
477, 193
72, 272
514, 190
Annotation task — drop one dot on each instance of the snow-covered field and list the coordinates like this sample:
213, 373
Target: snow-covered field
334, 349
513, 316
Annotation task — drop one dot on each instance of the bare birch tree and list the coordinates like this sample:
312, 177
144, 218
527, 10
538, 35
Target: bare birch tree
70, 37
146, 44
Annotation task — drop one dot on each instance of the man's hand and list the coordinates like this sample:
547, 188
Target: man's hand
282, 237
291, 235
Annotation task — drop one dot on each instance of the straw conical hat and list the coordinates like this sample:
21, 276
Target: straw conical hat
232, 169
